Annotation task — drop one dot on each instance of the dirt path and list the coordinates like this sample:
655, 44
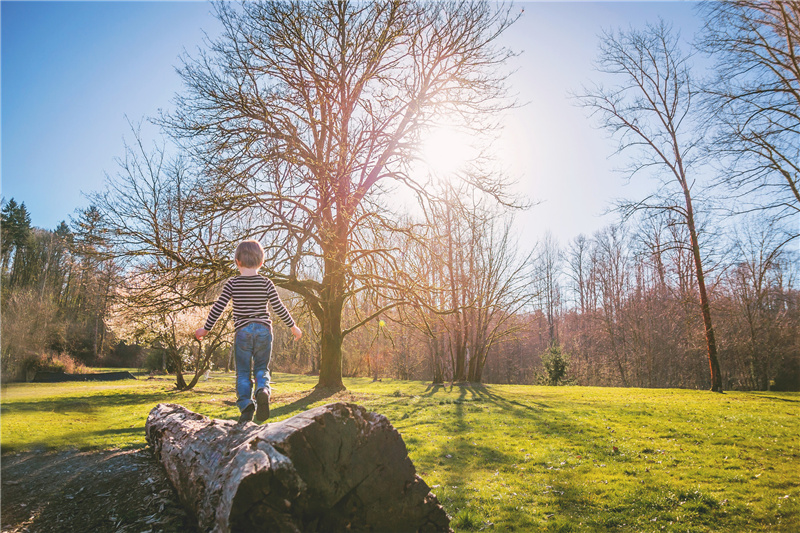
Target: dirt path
105, 491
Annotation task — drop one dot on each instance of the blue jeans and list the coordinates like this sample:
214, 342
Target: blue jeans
252, 342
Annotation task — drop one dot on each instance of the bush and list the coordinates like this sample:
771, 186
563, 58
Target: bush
29, 327
51, 362
154, 359
123, 355
788, 378
220, 358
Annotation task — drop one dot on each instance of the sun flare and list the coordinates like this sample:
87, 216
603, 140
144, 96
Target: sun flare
447, 149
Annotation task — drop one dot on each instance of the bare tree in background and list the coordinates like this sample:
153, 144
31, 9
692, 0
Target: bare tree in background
471, 280
148, 210
613, 272
759, 308
577, 260
650, 112
548, 266
754, 102
302, 112
578, 271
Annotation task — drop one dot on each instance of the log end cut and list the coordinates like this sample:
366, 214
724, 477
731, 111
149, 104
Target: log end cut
337, 467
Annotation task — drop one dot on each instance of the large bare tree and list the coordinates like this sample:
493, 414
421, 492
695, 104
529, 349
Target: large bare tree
301, 113
650, 112
755, 102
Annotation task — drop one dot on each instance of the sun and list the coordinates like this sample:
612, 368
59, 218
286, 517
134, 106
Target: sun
447, 149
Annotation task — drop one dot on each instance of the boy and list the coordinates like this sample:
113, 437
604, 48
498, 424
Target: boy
253, 338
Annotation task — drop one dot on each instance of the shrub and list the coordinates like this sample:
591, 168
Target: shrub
29, 326
51, 362
556, 365
154, 359
123, 355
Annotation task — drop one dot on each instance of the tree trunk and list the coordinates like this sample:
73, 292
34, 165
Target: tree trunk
332, 305
480, 364
180, 381
330, 362
229, 363
436, 362
332, 468
711, 341
460, 369
175, 356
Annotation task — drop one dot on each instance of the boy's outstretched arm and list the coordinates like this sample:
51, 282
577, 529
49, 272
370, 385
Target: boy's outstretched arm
216, 311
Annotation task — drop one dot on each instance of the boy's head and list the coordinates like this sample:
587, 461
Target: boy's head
249, 254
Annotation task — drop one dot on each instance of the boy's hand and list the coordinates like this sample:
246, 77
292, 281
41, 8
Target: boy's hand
297, 332
200, 333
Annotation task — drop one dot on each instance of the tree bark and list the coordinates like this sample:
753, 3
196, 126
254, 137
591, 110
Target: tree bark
332, 468
331, 338
332, 302
705, 304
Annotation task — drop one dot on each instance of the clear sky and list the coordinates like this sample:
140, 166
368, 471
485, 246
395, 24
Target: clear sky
73, 71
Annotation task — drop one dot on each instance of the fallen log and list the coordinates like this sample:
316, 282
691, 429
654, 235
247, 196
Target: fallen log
333, 468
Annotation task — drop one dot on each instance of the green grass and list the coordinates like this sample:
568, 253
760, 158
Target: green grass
506, 458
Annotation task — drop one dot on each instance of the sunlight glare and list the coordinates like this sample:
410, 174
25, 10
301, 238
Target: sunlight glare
447, 149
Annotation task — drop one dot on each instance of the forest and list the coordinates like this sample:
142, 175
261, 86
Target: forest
695, 286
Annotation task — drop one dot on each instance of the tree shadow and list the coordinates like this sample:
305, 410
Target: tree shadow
466, 455
79, 440
482, 391
766, 396
479, 391
301, 404
109, 398
432, 389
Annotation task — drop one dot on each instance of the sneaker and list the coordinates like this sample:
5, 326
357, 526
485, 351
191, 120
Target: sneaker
262, 401
247, 414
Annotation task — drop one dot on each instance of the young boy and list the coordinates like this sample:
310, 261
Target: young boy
250, 293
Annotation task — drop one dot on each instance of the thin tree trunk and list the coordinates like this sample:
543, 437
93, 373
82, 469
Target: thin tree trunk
711, 341
229, 362
180, 382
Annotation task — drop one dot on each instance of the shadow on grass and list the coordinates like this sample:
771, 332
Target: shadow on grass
432, 389
76, 440
463, 459
301, 404
767, 396
98, 401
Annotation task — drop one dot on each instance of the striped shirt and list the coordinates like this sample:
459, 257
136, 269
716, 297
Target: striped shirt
250, 295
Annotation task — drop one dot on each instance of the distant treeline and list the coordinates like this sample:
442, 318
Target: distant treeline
56, 293
621, 306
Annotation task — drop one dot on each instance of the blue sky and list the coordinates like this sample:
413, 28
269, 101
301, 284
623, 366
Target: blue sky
73, 71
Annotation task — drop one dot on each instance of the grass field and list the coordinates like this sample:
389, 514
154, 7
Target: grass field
505, 458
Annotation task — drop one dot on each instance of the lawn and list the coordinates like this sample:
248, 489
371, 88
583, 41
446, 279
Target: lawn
503, 457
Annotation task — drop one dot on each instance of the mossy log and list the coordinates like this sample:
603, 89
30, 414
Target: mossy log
337, 467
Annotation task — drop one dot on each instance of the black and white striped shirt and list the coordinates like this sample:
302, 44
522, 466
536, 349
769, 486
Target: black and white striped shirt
250, 295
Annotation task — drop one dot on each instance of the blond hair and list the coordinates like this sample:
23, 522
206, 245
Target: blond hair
250, 254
